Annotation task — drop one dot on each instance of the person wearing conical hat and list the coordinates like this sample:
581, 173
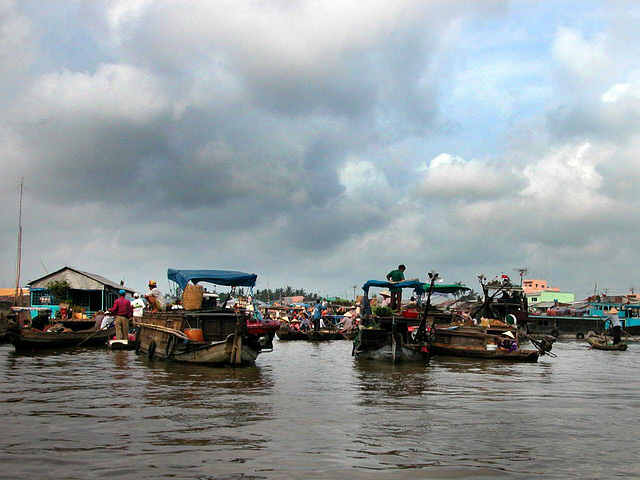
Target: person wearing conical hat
614, 323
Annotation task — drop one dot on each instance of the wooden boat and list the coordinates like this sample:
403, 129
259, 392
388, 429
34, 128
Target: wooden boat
323, 335
601, 344
382, 343
478, 342
350, 335
24, 339
286, 333
215, 336
397, 338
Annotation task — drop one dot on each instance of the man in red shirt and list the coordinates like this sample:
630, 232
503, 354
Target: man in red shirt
123, 311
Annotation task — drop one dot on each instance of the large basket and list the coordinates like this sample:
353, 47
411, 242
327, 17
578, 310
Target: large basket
192, 297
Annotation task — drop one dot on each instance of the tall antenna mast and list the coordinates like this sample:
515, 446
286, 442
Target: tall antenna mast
17, 296
522, 271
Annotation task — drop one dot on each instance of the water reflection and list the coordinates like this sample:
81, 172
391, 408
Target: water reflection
313, 411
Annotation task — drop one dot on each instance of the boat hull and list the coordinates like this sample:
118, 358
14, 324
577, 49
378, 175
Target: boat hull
288, 334
226, 338
598, 345
476, 342
519, 356
323, 335
380, 345
32, 340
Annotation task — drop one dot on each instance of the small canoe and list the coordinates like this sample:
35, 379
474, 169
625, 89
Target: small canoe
597, 345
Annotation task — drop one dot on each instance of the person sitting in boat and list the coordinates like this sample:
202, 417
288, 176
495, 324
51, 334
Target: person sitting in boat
304, 321
41, 321
509, 343
347, 323
107, 320
155, 297
614, 322
97, 318
386, 298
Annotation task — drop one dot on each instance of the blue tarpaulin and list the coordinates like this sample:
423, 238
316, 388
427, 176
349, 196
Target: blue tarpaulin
418, 287
219, 277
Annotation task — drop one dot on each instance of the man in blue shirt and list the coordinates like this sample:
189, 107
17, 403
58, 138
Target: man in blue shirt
317, 314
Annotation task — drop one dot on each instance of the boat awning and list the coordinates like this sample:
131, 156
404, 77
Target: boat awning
219, 277
418, 287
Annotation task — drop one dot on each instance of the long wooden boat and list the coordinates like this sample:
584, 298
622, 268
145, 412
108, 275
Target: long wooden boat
214, 336
286, 333
24, 339
323, 335
598, 344
398, 338
478, 342
378, 343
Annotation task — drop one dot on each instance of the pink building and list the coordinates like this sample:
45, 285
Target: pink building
531, 286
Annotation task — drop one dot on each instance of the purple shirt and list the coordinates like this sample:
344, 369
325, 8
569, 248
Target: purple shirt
122, 308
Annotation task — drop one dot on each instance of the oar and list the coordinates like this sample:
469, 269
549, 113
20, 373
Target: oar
100, 330
629, 335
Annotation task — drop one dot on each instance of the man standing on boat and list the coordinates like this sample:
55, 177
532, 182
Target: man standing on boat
395, 276
317, 314
616, 327
123, 311
154, 297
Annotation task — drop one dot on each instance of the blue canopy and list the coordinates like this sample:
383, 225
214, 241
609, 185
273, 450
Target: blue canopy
218, 277
417, 286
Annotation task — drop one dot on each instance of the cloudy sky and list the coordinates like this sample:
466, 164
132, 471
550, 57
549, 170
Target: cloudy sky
321, 143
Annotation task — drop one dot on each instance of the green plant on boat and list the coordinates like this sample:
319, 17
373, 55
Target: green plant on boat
382, 311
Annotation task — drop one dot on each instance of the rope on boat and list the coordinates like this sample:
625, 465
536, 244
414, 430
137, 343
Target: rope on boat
172, 331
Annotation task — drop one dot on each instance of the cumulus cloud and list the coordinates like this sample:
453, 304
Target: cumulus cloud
448, 177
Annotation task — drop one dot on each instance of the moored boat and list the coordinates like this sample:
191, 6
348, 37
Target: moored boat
215, 336
398, 338
478, 342
287, 333
323, 335
25, 339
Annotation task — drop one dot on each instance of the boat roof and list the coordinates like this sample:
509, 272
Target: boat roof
418, 287
229, 278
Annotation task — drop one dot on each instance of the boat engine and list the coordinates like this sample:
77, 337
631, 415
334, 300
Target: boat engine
546, 344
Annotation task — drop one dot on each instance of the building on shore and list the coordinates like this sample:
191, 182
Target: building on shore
87, 291
538, 291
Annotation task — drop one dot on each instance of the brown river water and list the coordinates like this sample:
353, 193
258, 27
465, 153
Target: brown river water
312, 411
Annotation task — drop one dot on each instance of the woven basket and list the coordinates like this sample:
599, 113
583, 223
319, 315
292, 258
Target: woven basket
192, 297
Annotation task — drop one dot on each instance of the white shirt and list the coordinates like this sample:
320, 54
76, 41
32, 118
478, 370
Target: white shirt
138, 307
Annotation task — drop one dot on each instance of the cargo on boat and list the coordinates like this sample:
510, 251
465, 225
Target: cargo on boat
398, 337
491, 330
215, 335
